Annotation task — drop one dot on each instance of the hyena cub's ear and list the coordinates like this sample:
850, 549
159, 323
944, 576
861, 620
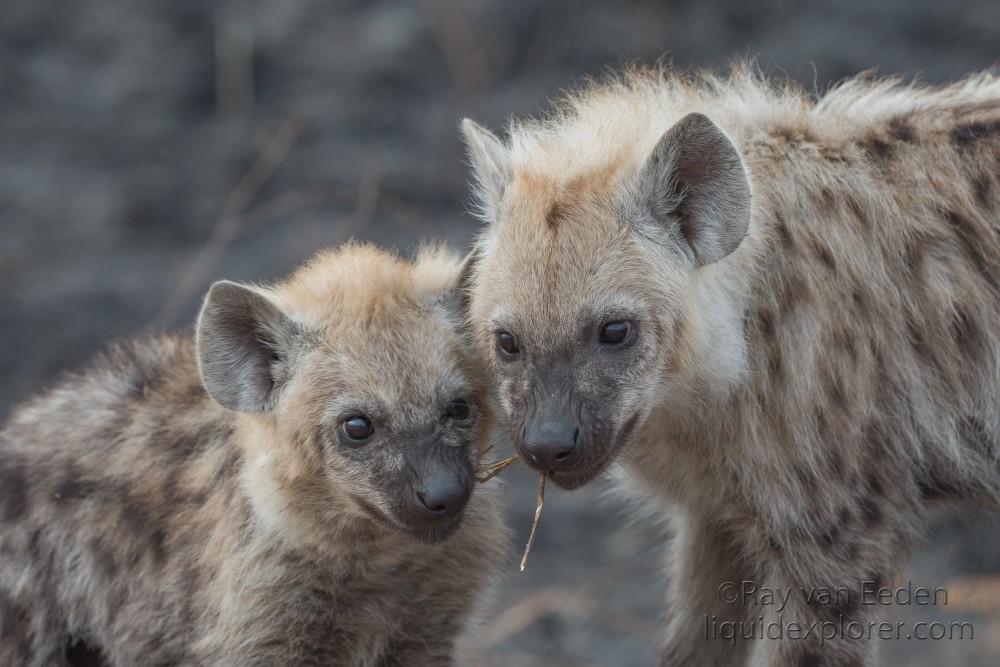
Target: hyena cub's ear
695, 183
490, 164
453, 298
243, 341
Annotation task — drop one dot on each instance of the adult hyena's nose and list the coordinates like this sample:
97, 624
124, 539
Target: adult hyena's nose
550, 443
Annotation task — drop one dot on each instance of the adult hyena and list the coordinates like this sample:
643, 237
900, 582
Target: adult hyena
291, 486
779, 314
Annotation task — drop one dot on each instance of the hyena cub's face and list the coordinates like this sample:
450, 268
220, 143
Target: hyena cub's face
581, 281
371, 395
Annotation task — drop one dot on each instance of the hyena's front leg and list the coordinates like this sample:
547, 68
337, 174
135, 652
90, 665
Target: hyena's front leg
824, 625
703, 561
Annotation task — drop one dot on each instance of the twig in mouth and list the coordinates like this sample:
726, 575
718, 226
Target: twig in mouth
490, 470
534, 524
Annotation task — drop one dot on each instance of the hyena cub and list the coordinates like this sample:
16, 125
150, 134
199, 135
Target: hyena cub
780, 314
293, 486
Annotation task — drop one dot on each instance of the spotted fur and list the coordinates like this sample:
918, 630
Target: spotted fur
140, 517
801, 401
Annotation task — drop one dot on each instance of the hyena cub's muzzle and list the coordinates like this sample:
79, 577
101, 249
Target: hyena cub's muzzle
558, 431
437, 492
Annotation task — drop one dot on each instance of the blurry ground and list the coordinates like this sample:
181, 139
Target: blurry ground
149, 148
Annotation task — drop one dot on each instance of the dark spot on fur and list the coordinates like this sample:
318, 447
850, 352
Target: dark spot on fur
81, 654
13, 490
555, 215
833, 389
827, 198
982, 187
874, 483
836, 462
775, 366
810, 659
871, 512
793, 291
158, 545
913, 258
844, 516
859, 213
774, 545
936, 488
765, 323
826, 257
877, 148
104, 557
785, 236
792, 135
229, 467
964, 136
918, 341
967, 333
972, 243
901, 130
14, 625
144, 527
72, 487
858, 297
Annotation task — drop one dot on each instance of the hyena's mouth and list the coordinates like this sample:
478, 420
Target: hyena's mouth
579, 476
587, 471
437, 532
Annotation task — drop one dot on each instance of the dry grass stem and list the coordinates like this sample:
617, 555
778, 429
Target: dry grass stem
534, 524
490, 470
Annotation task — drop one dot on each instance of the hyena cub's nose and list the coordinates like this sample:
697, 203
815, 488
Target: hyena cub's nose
550, 445
443, 496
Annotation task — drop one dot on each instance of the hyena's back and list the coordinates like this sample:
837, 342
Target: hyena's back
877, 312
96, 479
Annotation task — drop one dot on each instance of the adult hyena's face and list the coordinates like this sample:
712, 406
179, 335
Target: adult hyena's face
584, 279
577, 331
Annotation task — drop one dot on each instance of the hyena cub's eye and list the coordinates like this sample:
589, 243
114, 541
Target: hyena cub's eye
458, 410
616, 333
357, 428
507, 344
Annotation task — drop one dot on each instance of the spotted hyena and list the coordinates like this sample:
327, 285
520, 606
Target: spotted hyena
291, 486
779, 314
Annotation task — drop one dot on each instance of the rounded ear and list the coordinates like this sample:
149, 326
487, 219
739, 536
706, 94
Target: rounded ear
695, 184
242, 338
490, 165
455, 299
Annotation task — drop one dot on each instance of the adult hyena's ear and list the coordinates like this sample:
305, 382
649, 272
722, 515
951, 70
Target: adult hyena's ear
243, 342
490, 165
694, 182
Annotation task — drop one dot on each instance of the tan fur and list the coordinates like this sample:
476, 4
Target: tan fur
140, 516
801, 401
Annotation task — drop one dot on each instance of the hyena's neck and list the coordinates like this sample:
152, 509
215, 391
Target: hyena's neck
864, 304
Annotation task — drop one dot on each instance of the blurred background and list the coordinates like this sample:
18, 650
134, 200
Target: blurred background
149, 148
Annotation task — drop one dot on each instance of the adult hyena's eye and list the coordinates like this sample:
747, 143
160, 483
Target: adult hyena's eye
357, 428
507, 344
616, 333
458, 409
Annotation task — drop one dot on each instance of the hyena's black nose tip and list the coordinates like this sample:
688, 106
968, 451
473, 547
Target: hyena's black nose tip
551, 446
441, 498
